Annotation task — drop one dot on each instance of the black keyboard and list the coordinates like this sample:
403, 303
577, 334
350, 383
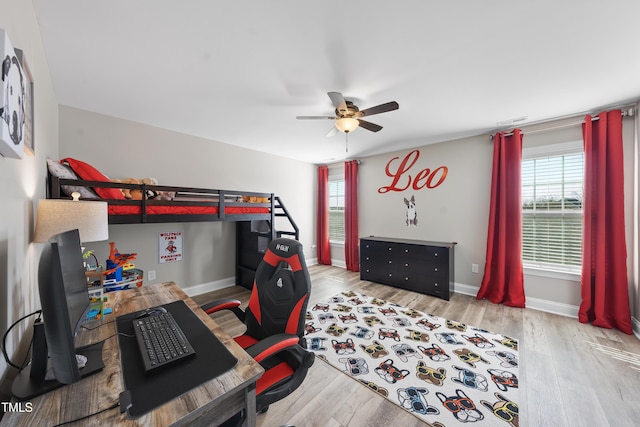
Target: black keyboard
160, 340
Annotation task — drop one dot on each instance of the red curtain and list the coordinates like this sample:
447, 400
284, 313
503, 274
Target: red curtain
351, 254
503, 280
605, 288
324, 249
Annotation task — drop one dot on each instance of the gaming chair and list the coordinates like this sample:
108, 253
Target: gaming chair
275, 320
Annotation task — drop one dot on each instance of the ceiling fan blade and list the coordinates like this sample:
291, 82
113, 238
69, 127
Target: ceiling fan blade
382, 108
369, 126
338, 101
332, 132
315, 117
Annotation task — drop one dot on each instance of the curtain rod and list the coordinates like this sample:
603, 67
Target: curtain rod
628, 110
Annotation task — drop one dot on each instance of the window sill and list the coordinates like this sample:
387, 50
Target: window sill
336, 243
552, 273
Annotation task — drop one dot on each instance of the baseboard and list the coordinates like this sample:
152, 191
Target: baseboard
636, 327
339, 263
223, 283
559, 308
532, 303
553, 307
209, 287
461, 288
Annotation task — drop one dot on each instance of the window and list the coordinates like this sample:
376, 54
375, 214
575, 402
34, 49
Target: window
336, 210
552, 194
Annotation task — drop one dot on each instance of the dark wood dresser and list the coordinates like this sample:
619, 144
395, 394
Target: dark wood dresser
416, 265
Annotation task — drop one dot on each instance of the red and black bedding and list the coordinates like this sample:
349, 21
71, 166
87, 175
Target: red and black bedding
184, 210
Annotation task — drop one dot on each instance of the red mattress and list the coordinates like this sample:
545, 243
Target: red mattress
184, 210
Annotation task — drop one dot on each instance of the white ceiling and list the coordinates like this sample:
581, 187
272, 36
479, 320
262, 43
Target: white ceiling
239, 72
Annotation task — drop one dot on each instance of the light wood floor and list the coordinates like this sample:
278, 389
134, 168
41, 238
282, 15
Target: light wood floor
571, 374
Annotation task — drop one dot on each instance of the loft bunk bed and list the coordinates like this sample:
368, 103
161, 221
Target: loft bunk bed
187, 204
254, 212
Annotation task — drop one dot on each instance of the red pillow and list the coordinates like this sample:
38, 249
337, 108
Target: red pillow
89, 173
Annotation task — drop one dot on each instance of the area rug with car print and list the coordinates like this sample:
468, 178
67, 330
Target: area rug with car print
442, 371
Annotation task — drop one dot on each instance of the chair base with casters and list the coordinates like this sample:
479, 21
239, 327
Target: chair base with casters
275, 319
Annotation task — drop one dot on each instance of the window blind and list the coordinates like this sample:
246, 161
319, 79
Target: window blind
552, 195
336, 210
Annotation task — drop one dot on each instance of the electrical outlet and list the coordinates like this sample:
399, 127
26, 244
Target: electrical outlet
151, 275
474, 268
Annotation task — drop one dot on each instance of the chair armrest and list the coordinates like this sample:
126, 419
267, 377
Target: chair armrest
224, 304
274, 344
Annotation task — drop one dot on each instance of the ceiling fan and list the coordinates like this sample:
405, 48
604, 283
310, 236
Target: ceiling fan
348, 115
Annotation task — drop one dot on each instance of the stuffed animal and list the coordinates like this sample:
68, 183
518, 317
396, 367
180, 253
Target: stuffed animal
165, 195
157, 195
136, 194
125, 191
255, 199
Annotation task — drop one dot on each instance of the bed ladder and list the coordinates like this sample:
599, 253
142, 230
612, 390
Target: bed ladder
253, 237
280, 211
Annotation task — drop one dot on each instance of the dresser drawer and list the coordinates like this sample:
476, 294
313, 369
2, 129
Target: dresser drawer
438, 254
415, 251
435, 284
423, 280
377, 274
422, 267
426, 254
376, 270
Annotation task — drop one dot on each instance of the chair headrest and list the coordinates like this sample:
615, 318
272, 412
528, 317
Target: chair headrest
285, 247
285, 250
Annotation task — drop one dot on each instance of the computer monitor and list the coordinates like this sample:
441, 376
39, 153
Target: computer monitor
64, 299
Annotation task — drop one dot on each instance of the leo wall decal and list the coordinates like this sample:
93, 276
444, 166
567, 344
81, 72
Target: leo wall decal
425, 178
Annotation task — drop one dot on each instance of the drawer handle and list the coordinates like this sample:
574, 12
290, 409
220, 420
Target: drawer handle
436, 285
390, 261
435, 269
390, 274
388, 248
406, 264
436, 254
406, 278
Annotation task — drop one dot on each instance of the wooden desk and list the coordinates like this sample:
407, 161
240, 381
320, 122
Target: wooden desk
207, 405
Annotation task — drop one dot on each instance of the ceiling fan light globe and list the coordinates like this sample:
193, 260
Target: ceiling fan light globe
346, 124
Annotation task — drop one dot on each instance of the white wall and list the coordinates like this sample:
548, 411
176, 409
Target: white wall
120, 149
23, 185
457, 210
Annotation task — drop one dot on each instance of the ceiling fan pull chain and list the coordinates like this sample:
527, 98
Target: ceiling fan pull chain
346, 145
